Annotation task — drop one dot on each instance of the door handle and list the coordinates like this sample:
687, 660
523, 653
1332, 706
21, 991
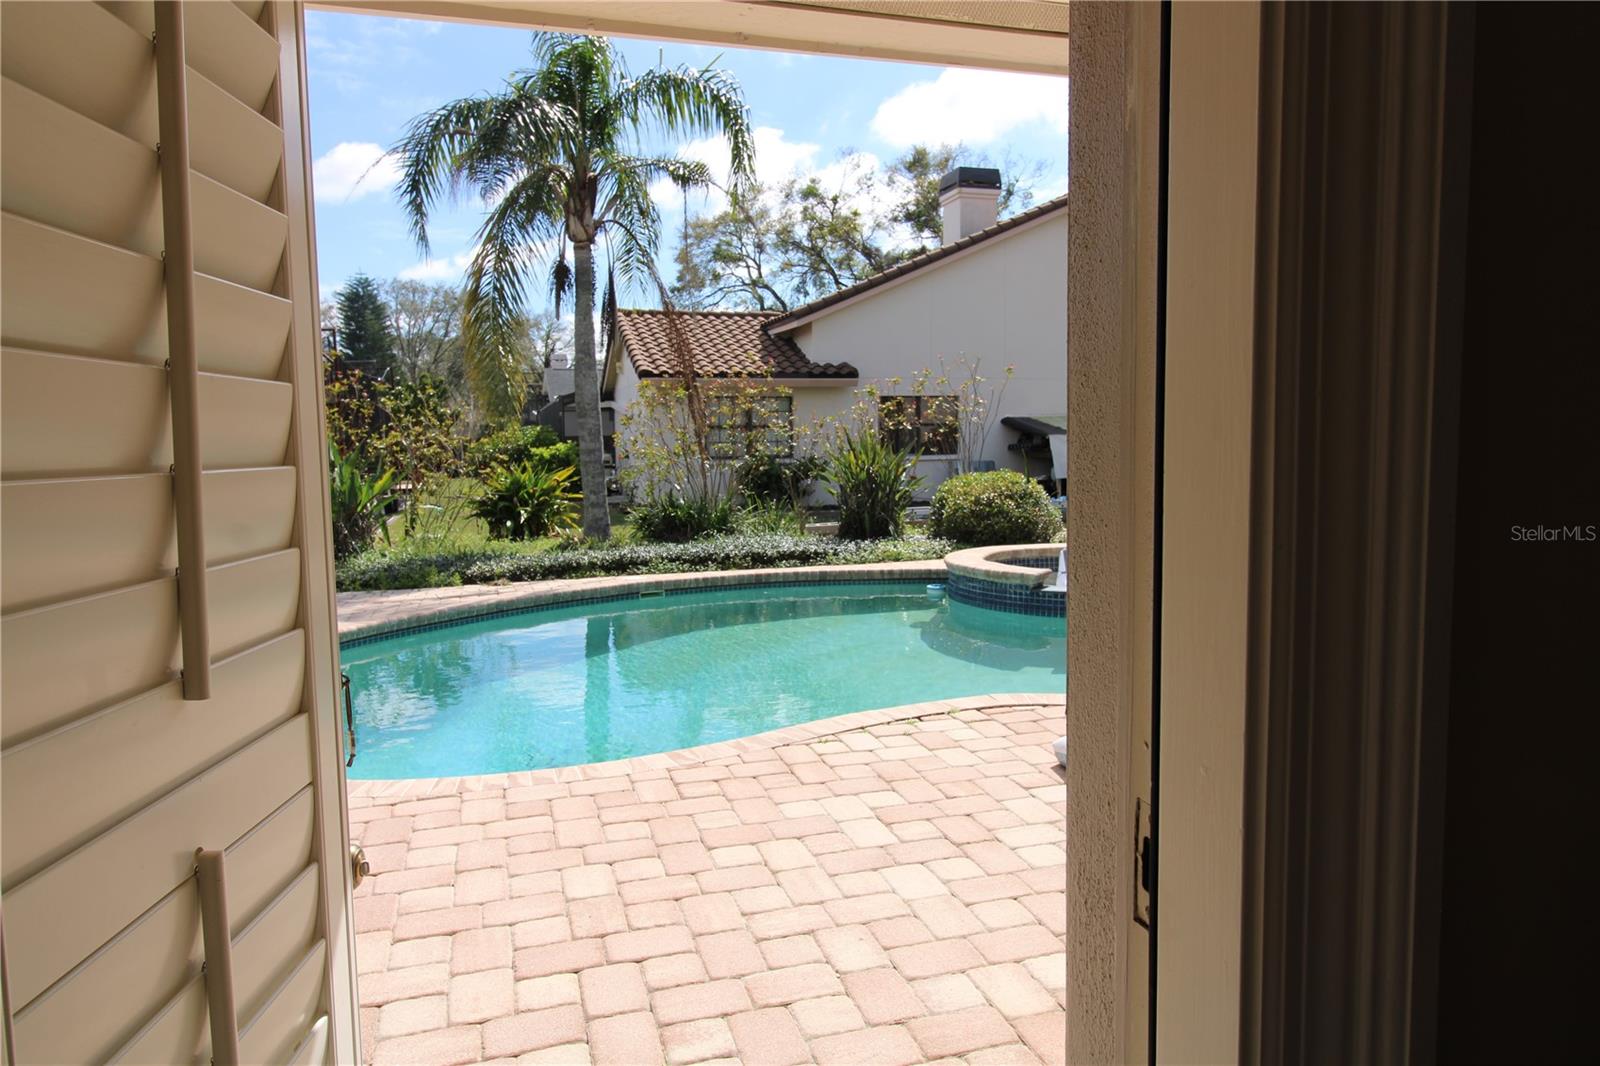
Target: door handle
349, 719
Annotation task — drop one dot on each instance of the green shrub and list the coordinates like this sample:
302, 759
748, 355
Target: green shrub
555, 456
872, 483
383, 570
994, 507
524, 502
671, 519
764, 478
511, 447
356, 502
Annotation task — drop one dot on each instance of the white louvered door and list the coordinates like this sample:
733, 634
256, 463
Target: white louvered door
109, 779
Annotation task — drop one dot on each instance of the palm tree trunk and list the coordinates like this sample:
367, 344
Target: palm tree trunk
586, 395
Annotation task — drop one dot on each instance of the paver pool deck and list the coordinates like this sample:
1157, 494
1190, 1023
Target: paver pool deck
883, 888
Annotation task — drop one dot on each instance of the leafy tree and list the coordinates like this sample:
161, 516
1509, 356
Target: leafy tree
549, 339
550, 152
425, 322
418, 440
830, 235
732, 259
404, 428
812, 235
364, 333
354, 415
917, 174
782, 246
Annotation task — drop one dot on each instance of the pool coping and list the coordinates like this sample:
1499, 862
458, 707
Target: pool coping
367, 615
718, 751
990, 564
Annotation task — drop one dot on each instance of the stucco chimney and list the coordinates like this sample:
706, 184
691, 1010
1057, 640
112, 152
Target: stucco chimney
558, 377
970, 200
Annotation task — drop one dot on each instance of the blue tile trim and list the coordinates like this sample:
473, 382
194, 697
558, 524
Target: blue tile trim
998, 596
634, 594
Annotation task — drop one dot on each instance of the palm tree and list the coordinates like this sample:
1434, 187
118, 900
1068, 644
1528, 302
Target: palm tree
552, 154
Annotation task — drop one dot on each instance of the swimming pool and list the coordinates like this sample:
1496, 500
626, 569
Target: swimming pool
580, 684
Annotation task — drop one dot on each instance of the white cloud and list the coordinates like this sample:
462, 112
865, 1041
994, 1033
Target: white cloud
970, 107
453, 267
1050, 188
777, 159
352, 169
450, 268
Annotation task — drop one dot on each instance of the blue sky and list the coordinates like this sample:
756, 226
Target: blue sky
369, 76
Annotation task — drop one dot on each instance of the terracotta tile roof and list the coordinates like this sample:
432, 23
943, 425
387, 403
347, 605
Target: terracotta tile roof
725, 344
917, 263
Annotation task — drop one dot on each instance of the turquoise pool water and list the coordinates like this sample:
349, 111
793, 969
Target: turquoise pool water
612, 680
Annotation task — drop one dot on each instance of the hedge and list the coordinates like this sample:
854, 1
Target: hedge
380, 570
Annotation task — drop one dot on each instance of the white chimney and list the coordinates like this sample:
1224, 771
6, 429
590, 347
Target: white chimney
970, 200
558, 377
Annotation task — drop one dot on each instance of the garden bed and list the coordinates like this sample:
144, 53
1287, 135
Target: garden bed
494, 565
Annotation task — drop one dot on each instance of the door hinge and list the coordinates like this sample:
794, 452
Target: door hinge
1144, 876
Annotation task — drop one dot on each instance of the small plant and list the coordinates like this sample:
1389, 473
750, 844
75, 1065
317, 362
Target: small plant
525, 502
873, 482
672, 519
357, 502
443, 518
771, 516
511, 447
766, 478
996, 507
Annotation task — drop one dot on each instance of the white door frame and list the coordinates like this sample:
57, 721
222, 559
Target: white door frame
746, 24
318, 608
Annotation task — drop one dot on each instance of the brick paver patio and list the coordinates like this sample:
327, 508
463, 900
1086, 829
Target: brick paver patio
884, 888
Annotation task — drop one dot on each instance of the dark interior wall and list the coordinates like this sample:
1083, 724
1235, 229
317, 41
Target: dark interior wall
1517, 934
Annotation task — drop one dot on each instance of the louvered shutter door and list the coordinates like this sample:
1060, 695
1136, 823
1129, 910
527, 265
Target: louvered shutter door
109, 779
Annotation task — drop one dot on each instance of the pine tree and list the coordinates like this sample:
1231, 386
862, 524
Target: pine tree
364, 333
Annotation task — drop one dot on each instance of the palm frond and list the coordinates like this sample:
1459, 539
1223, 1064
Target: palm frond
608, 305
487, 142
682, 100
428, 151
686, 174
629, 218
494, 302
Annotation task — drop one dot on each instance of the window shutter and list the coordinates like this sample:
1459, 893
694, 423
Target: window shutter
109, 778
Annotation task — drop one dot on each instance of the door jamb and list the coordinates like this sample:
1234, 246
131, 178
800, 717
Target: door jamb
331, 839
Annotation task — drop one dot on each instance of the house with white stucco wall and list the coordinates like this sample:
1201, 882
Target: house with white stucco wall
988, 299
